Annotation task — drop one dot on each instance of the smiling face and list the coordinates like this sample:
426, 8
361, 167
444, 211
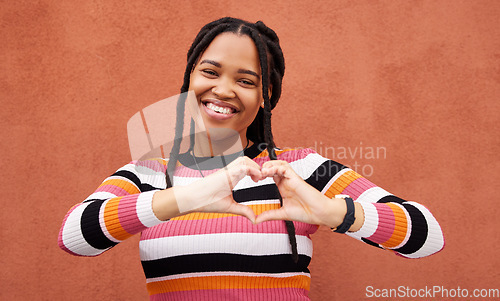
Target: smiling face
227, 83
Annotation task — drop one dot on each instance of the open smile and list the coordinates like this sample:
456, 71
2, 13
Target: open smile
218, 109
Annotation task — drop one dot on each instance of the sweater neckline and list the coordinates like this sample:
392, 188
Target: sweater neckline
216, 162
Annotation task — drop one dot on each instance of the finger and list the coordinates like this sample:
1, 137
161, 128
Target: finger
273, 163
238, 170
254, 169
276, 214
279, 170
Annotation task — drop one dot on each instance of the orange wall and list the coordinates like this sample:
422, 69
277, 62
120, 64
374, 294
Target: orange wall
420, 79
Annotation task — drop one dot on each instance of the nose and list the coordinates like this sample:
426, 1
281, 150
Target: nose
224, 89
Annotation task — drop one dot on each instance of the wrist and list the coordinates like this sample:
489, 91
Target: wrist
349, 211
337, 211
164, 203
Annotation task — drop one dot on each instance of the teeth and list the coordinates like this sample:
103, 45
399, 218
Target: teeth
218, 109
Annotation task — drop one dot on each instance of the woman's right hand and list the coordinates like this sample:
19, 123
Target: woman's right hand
210, 194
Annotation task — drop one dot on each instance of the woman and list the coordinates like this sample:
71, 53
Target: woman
212, 225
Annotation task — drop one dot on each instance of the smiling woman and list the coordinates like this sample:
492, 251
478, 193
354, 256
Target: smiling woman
227, 83
222, 227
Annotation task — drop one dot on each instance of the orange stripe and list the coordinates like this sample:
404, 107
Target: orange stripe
112, 222
127, 186
227, 282
159, 160
400, 228
258, 209
278, 152
341, 183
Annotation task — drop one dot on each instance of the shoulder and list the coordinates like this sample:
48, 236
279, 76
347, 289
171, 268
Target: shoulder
148, 166
294, 154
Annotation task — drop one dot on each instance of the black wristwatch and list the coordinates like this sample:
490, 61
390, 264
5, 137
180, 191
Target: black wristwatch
349, 217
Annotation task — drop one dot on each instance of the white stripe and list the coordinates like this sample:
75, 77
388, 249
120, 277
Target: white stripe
144, 209
240, 274
72, 234
101, 195
306, 166
261, 202
247, 182
435, 238
372, 195
141, 170
332, 180
370, 223
184, 181
253, 244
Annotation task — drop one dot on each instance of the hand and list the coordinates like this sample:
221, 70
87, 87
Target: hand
214, 192
301, 201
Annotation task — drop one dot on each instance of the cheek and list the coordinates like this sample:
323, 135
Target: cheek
198, 84
253, 99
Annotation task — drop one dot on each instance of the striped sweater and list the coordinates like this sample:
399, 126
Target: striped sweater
208, 256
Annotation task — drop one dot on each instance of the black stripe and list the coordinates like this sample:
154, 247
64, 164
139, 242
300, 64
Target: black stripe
91, 228
130, 176
93, 200
391, 199
262, 192
419, 231
320, 177
199, 263
371, 243
148, 187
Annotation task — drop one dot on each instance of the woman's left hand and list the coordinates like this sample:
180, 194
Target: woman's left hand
301, 201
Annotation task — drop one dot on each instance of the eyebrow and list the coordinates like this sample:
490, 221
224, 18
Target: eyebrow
218, 65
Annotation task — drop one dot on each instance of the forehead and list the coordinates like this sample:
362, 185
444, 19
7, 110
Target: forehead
231, 50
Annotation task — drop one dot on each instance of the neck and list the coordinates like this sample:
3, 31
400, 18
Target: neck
207, 146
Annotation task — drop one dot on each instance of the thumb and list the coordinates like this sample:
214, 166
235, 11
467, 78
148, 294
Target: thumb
244, 211
275, 214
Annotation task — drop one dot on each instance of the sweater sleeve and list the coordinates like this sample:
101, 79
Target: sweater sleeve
406, 227
119, 208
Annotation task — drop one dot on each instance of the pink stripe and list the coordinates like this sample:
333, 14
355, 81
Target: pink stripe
182, 171
289, 155
288, 294
232, 224
113, 189
127, 214
357, 187
386, 224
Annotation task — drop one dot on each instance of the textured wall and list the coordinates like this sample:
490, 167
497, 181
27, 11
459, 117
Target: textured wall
418, 79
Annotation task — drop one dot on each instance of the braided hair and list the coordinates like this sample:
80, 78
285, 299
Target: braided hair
272, 65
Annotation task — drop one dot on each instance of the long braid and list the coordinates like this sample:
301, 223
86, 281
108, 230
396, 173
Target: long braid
202, 42
268, 135
260, 130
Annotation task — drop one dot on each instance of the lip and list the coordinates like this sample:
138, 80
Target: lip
215, 115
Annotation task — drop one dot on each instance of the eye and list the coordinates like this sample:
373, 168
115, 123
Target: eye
247, 82
209, 72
